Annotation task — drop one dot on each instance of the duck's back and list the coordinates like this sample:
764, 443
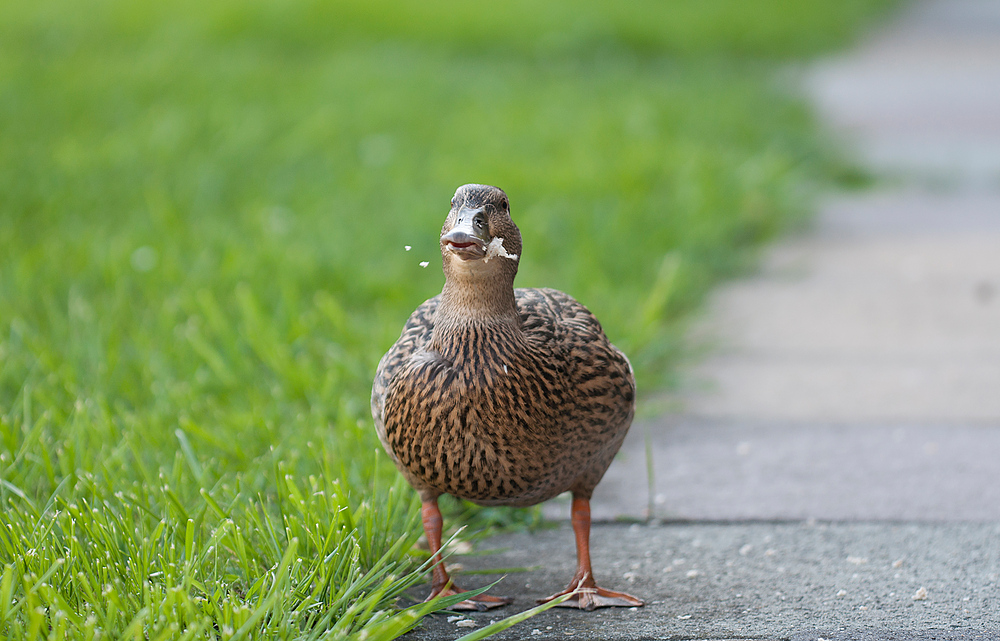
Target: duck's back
514, 419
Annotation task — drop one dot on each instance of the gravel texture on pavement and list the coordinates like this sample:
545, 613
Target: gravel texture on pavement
805, 580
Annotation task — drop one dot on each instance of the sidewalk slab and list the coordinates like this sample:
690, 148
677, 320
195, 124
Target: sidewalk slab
752, 581
728, 470
890, 310
923, 95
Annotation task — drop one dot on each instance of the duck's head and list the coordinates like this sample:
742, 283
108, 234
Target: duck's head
479, 215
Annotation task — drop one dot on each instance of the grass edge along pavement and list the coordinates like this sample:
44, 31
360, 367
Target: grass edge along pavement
191, 303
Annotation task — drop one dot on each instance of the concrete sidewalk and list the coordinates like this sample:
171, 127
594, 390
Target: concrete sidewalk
857, 375
835, 470
746, 580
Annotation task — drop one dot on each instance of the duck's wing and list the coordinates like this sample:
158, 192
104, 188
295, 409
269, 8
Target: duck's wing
554, 319
416, 334
599, 383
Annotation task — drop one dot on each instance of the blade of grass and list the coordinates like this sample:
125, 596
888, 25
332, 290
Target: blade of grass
513, 620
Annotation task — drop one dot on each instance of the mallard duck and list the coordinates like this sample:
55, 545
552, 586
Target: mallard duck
502, 396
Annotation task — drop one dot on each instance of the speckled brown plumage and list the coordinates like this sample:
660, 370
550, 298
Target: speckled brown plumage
504, 413
496, 395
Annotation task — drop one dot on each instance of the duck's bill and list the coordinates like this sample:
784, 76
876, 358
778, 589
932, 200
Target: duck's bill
463, 242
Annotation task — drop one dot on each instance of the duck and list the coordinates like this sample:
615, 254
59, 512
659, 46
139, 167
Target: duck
502, 396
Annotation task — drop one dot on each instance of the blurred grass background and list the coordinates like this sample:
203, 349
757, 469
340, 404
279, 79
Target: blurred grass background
203, 209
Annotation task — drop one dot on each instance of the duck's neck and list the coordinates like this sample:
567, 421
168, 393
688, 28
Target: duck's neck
476, 306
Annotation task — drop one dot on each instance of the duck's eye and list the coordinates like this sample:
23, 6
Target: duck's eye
452, 203
503, 205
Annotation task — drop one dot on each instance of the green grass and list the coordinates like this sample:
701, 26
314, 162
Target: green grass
203, 208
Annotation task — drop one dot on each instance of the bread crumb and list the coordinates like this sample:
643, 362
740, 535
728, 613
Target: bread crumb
921, 595
424, 264
496, 248
466, 623
407, 247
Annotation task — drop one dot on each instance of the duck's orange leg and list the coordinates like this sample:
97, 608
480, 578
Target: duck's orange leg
589, 596
441, 583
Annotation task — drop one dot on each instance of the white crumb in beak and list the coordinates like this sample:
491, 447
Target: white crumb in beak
495, 248
407, 247
424, 264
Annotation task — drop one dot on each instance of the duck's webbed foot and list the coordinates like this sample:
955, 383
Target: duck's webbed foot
479, 603
441, 584
590, 597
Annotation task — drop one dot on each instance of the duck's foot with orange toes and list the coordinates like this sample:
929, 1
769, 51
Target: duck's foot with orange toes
441, 583
480, 603
588, 596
